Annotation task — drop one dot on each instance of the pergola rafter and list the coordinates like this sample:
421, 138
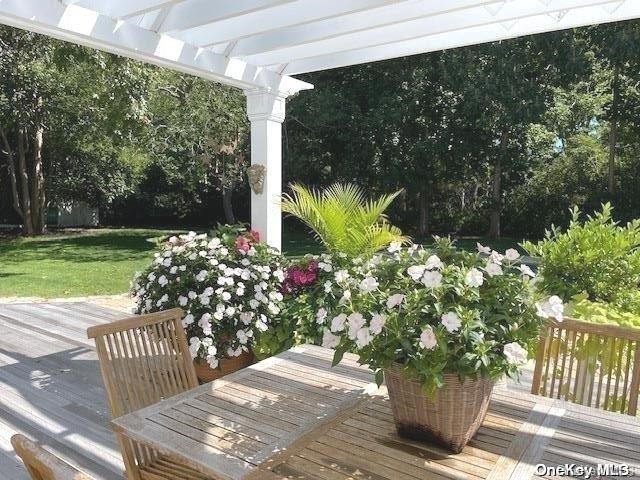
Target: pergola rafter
256, 45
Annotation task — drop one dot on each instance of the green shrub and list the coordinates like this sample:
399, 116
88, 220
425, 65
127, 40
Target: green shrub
597, 257
598, 312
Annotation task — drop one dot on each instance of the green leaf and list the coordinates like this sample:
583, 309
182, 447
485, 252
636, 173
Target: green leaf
379, 377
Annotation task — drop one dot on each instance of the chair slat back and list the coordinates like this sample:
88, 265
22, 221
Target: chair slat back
590, 364
143, 359
43, 465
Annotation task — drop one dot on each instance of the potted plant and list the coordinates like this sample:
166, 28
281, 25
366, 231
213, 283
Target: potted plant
229, 286
440, 326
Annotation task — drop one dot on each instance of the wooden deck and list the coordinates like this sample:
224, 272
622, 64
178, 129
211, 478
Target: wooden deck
51, 388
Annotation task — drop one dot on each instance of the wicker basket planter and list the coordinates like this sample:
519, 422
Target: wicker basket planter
450, 418
227, 365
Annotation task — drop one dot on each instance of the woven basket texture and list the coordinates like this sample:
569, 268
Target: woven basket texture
450, 417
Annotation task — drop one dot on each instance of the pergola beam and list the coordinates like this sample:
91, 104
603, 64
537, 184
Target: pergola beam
298, 12
355, 22
122, 8
602, 12
92, 29
194, 13
435, 23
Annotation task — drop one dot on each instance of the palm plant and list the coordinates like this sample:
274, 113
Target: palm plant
343, 219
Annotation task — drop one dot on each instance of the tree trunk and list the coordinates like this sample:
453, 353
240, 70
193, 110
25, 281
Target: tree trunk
23, 175
12, 174
613, 133
227, 204
423, 213
38, 194
496, 189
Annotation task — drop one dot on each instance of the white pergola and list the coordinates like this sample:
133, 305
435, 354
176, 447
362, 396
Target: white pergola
256, 45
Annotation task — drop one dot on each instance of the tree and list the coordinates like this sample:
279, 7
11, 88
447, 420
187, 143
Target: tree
198, 139
63, 109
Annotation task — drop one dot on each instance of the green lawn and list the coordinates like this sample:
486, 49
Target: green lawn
98, 262
102, 262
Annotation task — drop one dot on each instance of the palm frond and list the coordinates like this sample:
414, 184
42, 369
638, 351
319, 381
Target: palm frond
342, 218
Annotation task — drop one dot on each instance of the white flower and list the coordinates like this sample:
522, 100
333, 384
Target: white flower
279, 275
254, 303
192, 295
434, 262
182, 268
474, 278
273, 308
226, 296
363, 337
428, 339
527, 271
243, 338
201, 275
451, 321
495, 257
515, 353
173, 270
551, 308
394, 247
511, 254
377, 322
194, 346
151, 277
205, 323
432, 279
321, 315
341, 276
212, 361
337, 322
346, 296
187, 320
205, 299
329, 340
234, 353
483, 249
245, 317
261, 324
416, 271
182, 301
327, 286
327, 267
493, 269
356, 322
162, 300
395, 300
368, 284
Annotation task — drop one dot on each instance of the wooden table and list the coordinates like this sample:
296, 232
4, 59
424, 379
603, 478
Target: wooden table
293, 416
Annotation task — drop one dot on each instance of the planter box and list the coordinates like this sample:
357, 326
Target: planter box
451, 417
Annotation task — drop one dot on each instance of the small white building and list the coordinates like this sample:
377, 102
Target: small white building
74, 214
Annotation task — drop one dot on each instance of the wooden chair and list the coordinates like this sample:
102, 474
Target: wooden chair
43, 465
143, 360
589, 364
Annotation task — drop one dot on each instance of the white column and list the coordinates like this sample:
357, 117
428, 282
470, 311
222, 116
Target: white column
266, 112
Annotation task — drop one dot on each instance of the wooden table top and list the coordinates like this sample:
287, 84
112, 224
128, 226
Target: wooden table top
294, 416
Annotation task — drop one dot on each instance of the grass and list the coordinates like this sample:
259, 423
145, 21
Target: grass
102, 262
96, 262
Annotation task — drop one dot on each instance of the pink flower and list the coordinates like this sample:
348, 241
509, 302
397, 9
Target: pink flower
242, 244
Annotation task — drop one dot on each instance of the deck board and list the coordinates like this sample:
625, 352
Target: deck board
51, 389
